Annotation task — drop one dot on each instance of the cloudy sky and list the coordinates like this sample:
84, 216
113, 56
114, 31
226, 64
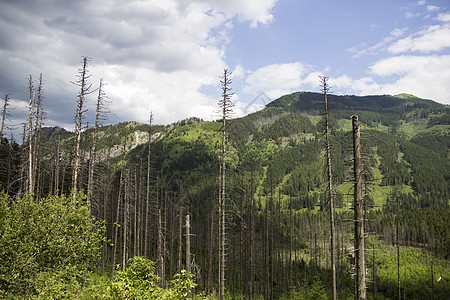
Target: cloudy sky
166, 56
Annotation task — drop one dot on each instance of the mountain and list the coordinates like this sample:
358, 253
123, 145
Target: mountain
286, 137
277, 211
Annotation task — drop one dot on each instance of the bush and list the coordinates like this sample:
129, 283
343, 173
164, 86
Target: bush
47, 247
139, 281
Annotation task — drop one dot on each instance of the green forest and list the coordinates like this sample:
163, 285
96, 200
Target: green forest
144, 211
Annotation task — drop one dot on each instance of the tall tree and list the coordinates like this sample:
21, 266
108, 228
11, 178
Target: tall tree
31, 105
330, 186
85, 89
358, 206
99, 116
5, 115
226, 105
39, 116
147, 196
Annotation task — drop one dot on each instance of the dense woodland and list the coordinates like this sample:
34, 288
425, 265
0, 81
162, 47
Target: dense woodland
142, 217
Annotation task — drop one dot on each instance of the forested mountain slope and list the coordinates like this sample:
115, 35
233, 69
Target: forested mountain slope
276, 186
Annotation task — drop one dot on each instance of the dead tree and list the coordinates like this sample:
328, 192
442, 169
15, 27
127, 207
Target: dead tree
397, 225
225, 104
98, 118
85, 89
39, 116
188, 244
5, 115
116, 222
358, 206
147, 197
32, 95
330, 187
161, 263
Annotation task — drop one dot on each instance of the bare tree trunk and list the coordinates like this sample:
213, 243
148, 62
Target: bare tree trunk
161, 266
330, 189
188, 244
37, 139
57, 162
116, 223
85, 89
360, 263
4, 115
147, 200
226, 104
125, 221
211, 239
105, 201
180, 235
30, 136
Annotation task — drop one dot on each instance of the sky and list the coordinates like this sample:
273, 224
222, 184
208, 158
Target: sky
167, 56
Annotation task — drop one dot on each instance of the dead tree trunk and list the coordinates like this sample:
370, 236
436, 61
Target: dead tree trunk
161, 265
116, 223
4, 115
330, 188
30, 180
358, 206
147, 199
37, 138
92, 156
188, 244
85, 89
225, 104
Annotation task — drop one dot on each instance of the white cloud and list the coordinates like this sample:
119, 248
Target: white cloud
275, 79
423, 76
443, 17
394, 34
434, 38
432, 8
256, 11
154, 55
238, 72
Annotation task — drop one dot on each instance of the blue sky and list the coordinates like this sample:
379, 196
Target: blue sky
167, 56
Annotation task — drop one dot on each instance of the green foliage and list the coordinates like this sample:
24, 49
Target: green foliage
421, 274
313, 291
47, 247
139, 281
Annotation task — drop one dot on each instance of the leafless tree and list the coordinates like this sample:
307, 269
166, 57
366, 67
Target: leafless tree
330, 186
226, 105
5, 114
30, 179
358, 206
85, 89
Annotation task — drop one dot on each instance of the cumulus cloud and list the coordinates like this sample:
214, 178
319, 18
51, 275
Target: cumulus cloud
256, 11
432, 8
394, 34
424, 76
434, 38
154, 55
275, 79
443, 17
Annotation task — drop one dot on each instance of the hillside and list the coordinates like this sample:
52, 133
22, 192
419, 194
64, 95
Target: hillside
277, 211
